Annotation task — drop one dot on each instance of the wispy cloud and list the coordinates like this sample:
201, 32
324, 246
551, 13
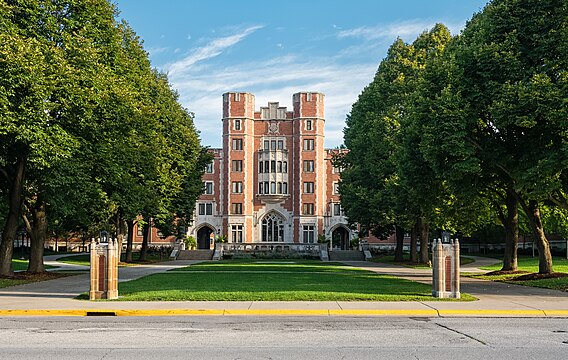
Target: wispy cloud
403, 29
341, 76
212, 49
275, 79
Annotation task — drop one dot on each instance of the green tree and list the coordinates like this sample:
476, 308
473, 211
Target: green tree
511, 74
368, 181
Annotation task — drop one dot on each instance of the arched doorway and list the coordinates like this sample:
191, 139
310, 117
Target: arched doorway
340, 238
203, 238
272, 228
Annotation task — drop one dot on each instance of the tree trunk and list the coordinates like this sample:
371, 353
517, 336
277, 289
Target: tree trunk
511, 225
130, 229
14, 212
38, 234
542, 244
413, 248
146, 236
399, 233
424, 234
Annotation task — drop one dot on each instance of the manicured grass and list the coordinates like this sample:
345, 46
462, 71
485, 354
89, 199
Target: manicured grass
12, 282
273, 281
84, 260
530, 264
22, 265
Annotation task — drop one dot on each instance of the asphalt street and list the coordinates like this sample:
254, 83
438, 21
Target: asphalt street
281, 338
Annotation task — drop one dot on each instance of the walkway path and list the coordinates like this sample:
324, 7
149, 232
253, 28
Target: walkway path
56, 297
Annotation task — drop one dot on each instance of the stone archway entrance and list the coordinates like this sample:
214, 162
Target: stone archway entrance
272, 228
203, 238
340, 238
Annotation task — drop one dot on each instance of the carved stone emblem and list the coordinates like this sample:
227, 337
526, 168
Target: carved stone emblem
273, 127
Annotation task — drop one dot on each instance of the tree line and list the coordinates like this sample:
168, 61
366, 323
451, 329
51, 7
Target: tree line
91, 136
458, 132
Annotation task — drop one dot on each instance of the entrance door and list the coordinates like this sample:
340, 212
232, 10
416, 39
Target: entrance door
203, 238
340, 238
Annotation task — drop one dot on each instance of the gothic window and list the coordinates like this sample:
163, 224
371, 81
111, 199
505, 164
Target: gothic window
272, 228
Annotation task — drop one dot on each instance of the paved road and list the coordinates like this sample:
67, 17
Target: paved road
281, 338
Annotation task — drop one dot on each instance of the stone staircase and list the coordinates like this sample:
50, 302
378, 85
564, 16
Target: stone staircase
346, 255
195, 255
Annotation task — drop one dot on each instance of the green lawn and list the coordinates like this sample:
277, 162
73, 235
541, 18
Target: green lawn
274, 281
530, 265
12, 282
22, 265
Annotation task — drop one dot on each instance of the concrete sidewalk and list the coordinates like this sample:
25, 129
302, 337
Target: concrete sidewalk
56, 297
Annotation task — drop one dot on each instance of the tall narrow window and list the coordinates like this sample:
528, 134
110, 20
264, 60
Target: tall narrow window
237, 233
284, 167
308, 235
308, 124
308, 144
266, 145
279, 188
237, 124
260, 167
237, 144
308, 187
279, 167
260, 188
237, 187
284, 188
308, 208
273, 166
237, 208
266, 166
273, 145
237, 165
308, 166
208, 209
280, 144
238, 97
273, 187
208, 187
337, 211
336, 188
209, 168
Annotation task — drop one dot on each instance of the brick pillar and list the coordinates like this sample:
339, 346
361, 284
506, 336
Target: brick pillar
104, 270
446, 269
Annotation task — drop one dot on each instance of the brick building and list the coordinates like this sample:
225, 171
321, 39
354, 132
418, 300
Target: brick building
273, 181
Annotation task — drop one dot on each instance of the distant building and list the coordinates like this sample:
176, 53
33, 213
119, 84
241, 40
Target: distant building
273, 181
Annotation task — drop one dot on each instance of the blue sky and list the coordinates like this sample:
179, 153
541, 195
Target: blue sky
276, 48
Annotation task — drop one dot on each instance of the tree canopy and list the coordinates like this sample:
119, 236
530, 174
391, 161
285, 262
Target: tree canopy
90, 134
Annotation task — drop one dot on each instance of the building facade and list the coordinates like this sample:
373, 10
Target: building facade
273, 181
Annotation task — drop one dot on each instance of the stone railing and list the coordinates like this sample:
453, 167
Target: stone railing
316, 250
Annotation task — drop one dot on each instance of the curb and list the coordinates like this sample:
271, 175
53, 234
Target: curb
289, 312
